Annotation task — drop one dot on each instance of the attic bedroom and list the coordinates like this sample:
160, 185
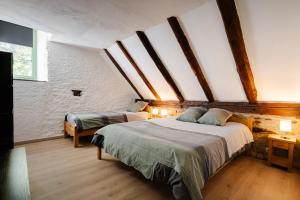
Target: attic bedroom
144, 100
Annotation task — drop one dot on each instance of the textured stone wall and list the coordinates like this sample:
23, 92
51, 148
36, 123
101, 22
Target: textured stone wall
271, 123
262, 123
268, 124
39, 107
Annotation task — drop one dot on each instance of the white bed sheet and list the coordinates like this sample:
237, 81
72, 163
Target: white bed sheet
136, 116
236, 135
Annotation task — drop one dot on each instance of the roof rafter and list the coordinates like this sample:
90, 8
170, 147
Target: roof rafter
188, 52
235, 37
138, 70
159, 64
123, 73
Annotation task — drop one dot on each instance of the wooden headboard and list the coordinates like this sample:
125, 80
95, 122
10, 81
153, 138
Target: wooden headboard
263, 108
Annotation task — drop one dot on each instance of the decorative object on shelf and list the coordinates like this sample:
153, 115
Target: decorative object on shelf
77, 92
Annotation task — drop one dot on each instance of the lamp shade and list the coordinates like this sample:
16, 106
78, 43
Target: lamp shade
285, 125
155, 111
163, 112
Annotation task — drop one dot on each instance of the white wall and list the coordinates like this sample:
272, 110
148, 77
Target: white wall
39, 107
271, 30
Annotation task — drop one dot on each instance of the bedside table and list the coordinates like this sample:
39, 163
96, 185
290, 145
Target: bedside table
285, 142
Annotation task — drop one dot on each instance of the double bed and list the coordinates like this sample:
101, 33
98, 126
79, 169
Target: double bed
84, 124
184, 155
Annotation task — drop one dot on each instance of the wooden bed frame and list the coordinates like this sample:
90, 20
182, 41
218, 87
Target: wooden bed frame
99, 153
71, 130
242, 152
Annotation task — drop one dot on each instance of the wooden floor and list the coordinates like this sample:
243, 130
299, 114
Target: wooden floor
58, 171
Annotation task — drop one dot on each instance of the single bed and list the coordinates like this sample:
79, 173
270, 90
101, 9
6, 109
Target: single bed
181, 154
84, 124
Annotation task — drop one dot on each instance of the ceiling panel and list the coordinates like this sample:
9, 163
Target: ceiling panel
271, 32
146, 64
169, 50
93, 23
130, 72
204, 27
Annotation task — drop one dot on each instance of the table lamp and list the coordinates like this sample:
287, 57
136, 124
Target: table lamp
164, 112
154, 112
285, 126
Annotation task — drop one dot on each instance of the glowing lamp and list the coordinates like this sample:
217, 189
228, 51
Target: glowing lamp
285, 125
164, 112
154, 111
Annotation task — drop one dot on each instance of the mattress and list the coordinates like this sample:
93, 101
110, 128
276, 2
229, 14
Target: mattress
192, 151
84, 121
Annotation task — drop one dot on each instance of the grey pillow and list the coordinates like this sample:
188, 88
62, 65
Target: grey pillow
192, 114
215, 116
137, 106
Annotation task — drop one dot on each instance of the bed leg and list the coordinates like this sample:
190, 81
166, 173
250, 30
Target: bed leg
65, 131
76, 139
99, 153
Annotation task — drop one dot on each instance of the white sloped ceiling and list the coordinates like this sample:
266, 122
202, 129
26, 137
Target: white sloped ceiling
134, 77
148, 67
165, 43
205, 30
204, 27
92, 23
271, 32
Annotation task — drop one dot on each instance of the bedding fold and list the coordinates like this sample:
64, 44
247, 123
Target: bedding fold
86, 121
146, 145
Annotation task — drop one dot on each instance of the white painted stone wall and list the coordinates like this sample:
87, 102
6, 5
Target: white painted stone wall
39, 107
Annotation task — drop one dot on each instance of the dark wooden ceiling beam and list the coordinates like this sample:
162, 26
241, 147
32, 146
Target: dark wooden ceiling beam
235, 37
138, 70
159, 64
123, 73
264, 108
188, 52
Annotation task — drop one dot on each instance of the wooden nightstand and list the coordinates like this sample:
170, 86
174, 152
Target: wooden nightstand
285, 142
